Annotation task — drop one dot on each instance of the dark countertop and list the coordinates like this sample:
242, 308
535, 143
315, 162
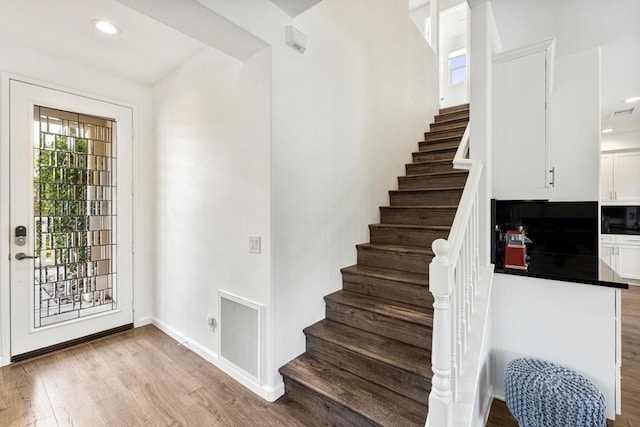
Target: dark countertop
584, 269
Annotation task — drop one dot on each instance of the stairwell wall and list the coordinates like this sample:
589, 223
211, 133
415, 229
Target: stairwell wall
345, 117
212, 124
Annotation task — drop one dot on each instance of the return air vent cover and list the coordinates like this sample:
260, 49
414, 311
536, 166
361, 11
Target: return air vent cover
622, 113
240, 334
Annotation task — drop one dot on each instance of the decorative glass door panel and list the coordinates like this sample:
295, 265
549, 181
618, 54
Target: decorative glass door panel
74, 209
71, 210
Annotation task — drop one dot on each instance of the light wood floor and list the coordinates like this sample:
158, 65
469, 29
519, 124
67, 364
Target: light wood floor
139, 377
143, 377
500, 416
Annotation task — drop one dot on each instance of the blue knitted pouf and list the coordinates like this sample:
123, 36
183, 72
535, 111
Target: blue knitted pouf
543, 394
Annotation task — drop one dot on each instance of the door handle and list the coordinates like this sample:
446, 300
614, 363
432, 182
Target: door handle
21, 255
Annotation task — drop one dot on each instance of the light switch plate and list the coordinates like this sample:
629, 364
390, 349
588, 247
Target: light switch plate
254, 244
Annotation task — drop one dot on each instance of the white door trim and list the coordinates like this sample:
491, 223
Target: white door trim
5, 188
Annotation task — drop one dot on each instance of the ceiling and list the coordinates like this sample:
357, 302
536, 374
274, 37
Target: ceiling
148, 50
192, 18
144, 52
580, 25
294, 8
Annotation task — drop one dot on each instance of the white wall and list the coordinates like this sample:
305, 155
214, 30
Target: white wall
567, 323
212, 121
49, 69
574, 127
620, 141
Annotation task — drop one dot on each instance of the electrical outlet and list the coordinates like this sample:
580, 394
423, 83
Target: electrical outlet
254, 244
211, 321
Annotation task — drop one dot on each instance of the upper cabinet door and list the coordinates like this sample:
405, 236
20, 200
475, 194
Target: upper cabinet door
521, 87
606, 177
626, 177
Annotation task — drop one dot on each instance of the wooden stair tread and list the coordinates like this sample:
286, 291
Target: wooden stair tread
453, 109
435, 174
430, 190
446, 133
434, 149
431, 162
455, 124
387, 350
388, 274
395, 248
373, 402
429, 207
402, 311
412, 226
299, 412
458, 116
437, 137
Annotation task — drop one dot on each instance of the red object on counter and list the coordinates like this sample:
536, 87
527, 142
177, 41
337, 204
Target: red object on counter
515, 250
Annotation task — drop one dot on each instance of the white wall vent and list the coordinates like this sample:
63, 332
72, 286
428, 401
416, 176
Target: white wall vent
621, 113
240, 334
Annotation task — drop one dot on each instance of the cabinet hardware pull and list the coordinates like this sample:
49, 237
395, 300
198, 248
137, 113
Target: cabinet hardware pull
552, 171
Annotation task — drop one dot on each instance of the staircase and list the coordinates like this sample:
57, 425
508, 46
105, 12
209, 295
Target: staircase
368, 363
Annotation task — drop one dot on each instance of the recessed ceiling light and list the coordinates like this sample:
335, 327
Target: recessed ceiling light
106, 27
632, 99
607, 130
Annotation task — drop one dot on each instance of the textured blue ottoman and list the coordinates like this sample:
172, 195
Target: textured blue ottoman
543, 394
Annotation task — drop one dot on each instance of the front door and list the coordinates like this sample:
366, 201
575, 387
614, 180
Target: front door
70, 215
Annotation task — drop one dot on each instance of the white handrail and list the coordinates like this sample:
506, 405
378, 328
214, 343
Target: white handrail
453, 281
470, 192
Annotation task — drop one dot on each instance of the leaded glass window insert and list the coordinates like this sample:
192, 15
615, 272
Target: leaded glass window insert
75, 197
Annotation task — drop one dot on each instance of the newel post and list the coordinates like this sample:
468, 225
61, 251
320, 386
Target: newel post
441, 285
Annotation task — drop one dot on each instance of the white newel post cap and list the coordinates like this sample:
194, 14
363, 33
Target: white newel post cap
440, 269
441, 249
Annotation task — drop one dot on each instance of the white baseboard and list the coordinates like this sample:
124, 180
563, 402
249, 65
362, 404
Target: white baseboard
486, 411
268, 393
143, 321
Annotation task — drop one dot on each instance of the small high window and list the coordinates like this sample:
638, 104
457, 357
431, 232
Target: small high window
457, 66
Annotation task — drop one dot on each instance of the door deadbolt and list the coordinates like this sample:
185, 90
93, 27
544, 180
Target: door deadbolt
21, 235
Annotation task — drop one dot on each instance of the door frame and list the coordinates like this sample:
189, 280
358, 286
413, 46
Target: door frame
5, 196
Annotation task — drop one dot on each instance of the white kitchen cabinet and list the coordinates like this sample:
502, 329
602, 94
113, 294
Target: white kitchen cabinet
521, 90
622, 253
607, 250
628, 256
620, 178
606, 177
